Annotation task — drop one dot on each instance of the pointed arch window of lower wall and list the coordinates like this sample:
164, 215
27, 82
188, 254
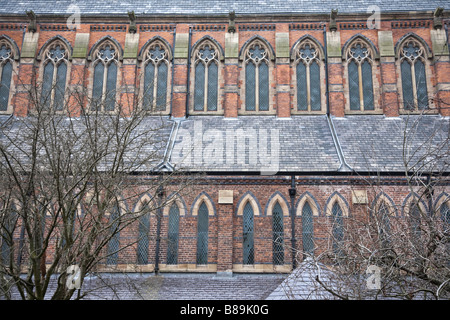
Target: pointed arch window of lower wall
173, 234
307, 229
337, 228
278, 234
143, 236
113, 244
202, 234
248, 235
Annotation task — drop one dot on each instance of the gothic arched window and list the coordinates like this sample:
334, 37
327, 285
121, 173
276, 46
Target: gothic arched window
360, 81
202, 234
337, 228
248, 234
206, 83
156, 75
257, 77
413, 76
278, 234
173, 233
55, 64
308, 77
307, 229
6, 68
105, 77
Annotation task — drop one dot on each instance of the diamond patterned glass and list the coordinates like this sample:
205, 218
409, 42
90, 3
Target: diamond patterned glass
199, 89
60, 86
338, 227
111, 80
445, 213
278, 235
5, 84
161, 90
113, 244
353, 82
407, 86
97, 89
366, 69
149, 79
263, 86
307, 229
421, 83
314, 71
250, 87
248, 245
202, 234
302, 102
143, 240
213, 79
172, 241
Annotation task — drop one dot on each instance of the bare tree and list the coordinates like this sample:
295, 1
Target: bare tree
384, 250
66, 180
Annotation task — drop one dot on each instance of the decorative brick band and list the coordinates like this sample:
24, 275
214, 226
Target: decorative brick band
256, 27
305, 26
410, 24
208, 27
105, 28
153, 28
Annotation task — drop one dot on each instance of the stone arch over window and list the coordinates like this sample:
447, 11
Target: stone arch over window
382, 199
178, 200
54, 74
143, 208
414, 73
382, 209
411, 200
413, 210
307, 57
336, 197
252, 200
307, 198
203, 198
360, 57
155, 78
207, 56
256, 76
106, 56
9, 54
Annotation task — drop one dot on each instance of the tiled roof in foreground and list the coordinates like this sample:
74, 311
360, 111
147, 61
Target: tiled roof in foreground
212, 7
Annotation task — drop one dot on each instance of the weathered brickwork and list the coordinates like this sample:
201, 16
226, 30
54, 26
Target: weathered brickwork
225, 230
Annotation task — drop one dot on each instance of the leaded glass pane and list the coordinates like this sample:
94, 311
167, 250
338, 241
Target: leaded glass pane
6, 235
111, 80
421, 83
202, 234
5, 85
302, 102
338, 227
97, 89
445, 213
278, 235
172, 243
143, 240
47, 83
307, 229
366, 69
408, 95
248, 245
149, 79
314, 72
353, 83
161, 90
212, 86
263, 86
250, 87
414, 218
60, 86
199, 89
113, 244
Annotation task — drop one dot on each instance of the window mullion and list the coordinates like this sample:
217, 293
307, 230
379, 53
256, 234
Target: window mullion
52, 92
361, 94
308, 87
155, 87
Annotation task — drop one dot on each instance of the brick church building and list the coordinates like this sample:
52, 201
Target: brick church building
291, 111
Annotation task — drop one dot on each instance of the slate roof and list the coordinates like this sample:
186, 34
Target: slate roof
270, 145
212, 7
